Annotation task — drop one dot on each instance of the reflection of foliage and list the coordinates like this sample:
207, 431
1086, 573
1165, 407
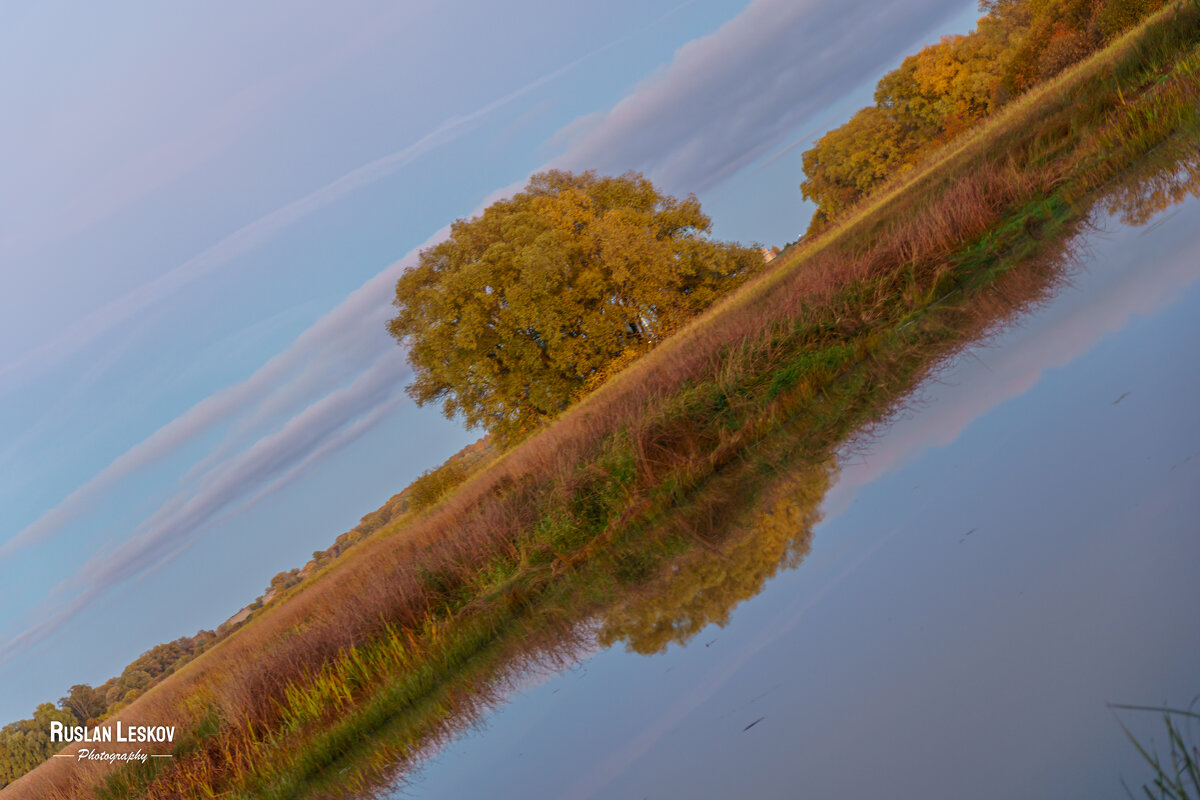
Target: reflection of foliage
1138, 200
706, 585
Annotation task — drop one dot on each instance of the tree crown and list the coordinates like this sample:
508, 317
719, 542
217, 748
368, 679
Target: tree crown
525, 307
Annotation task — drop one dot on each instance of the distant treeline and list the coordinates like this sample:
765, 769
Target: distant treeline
941, 91
26, 743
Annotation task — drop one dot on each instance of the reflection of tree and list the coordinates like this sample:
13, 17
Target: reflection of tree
707, 583
1138, 200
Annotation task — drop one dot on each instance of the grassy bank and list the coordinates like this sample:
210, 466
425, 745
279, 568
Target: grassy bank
416, 631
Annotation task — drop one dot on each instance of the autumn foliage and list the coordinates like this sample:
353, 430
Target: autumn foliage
525, 307
938, 93
388, 638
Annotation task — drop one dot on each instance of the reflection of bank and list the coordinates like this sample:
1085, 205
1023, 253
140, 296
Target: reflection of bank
1152, 189
1145, 282
703, 586
705, 553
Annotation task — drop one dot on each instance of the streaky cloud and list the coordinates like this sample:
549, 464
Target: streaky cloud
323, 427
727, 98
318, 358
723, 101
266, 228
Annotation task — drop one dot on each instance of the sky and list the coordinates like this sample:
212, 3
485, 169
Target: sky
205, 209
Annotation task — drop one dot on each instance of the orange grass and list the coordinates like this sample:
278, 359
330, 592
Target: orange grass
390, 604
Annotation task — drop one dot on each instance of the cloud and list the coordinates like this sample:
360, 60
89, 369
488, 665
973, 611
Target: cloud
82, 333
346, 342
329, 446
317, 431
270, 457
726, 98
336, 347
723, 101
173, 105
99, 322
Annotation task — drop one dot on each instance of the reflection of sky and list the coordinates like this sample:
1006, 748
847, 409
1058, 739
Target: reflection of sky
1042, 343
205, 208
1015, 553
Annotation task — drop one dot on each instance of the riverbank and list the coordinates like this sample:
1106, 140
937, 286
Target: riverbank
657, 460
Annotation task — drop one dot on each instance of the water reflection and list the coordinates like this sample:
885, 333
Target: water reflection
703, 586
763, 531
1042, 345
1144, 195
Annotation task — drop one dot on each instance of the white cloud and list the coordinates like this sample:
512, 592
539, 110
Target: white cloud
726, 98
723, 101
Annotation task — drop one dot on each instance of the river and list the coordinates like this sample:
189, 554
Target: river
1013, 552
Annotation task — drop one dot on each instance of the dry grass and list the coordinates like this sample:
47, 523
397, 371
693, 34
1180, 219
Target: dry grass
425, 596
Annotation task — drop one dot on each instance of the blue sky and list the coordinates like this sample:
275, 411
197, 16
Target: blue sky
206, 206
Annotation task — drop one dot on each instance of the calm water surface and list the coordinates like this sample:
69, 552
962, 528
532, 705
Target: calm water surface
1017, 550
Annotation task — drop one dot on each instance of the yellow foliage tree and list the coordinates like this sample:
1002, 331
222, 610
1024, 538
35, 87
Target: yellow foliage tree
944, 89
513, 316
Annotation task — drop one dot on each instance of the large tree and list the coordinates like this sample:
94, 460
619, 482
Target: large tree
527, 306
